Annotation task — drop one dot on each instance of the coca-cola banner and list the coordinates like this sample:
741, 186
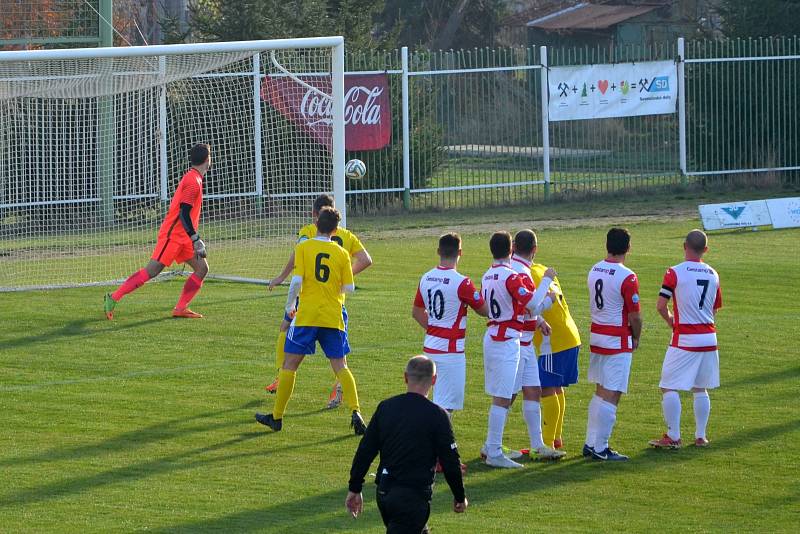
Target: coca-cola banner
367, 108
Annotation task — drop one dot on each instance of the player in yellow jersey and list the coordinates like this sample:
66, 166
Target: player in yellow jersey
558, 358
360, 260
322, 276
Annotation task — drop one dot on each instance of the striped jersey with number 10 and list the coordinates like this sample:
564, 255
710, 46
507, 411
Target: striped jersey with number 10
613, 294
697, 294
446, 293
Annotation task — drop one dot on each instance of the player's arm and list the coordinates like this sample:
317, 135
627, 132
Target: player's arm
362, 260
348, 284
533, 302
469, 295
664, 294
360, 257
447, 452
278, 280
418, 311
189, 196
367, 451
718, 298
297, 281
630, 295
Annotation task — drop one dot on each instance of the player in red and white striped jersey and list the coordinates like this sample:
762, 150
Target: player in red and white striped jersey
615, 331
440, 307
528, 370
509, 297
692, 360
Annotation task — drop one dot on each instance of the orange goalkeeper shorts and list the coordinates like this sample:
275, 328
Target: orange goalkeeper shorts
169, 250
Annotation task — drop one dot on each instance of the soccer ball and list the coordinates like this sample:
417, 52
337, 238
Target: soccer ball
355, 169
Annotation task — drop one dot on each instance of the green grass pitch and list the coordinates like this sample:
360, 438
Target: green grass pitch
146, 423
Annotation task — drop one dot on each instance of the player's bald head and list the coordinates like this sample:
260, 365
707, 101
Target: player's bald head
697, 241
525, 242
420, 370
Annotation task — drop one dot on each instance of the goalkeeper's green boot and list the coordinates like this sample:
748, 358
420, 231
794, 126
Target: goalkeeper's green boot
108, 306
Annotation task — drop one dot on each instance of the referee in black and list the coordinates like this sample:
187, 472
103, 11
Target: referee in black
410, 433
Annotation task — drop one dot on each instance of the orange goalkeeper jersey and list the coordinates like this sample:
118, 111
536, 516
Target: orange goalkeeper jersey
189, 191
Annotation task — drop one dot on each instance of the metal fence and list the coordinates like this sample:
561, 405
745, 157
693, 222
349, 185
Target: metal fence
469, 128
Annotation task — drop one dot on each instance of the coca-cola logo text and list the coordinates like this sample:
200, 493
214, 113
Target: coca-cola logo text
361, 106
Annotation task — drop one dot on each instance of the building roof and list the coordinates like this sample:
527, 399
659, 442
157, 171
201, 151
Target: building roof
586, 16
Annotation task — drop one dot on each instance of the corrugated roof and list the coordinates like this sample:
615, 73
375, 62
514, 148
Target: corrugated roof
589, 17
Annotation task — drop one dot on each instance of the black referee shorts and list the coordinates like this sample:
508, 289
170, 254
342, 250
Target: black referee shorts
404, 510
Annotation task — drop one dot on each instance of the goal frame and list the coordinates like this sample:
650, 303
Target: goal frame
334, 43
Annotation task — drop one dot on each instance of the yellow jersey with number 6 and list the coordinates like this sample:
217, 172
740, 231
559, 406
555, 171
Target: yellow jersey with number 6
325, 268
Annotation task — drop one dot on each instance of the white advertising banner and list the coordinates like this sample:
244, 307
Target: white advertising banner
735, 215
613, 90
785, 212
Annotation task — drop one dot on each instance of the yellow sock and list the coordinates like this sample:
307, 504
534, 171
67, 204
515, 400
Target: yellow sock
549, 406
349, 392
285, 388
562, 405
279, 355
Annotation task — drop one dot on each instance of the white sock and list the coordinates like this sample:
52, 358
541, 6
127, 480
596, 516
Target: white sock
671, 403
606, 417
702, 409
532, 412
497, 423
591, 421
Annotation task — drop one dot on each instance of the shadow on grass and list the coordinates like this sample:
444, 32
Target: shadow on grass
321, 512
139, 437
77, 329
791, 374
170, 463
326, 508
557, 475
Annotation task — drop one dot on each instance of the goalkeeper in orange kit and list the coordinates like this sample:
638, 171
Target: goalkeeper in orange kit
178, 240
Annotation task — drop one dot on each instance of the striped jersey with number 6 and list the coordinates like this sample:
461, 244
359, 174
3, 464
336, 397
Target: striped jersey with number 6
446, 293
697, 294
613, 294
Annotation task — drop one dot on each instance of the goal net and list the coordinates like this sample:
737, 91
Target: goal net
94, 141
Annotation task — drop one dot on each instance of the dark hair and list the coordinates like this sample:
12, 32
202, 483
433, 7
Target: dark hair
525, 241
697, 241
328, 220
618, 241
199, 153
449, 245
420, 369
321, 202
500, 245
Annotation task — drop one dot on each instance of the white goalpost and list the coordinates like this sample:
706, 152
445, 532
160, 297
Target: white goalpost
93, 142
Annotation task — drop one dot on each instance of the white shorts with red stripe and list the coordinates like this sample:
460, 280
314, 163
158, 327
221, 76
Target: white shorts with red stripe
500, 365
612, 371
451, 378
684, 370
528, 368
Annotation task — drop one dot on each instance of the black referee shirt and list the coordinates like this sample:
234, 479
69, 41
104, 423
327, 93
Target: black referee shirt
410, 433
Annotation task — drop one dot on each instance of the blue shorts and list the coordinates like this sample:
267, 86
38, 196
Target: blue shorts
559, 369
303, 340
